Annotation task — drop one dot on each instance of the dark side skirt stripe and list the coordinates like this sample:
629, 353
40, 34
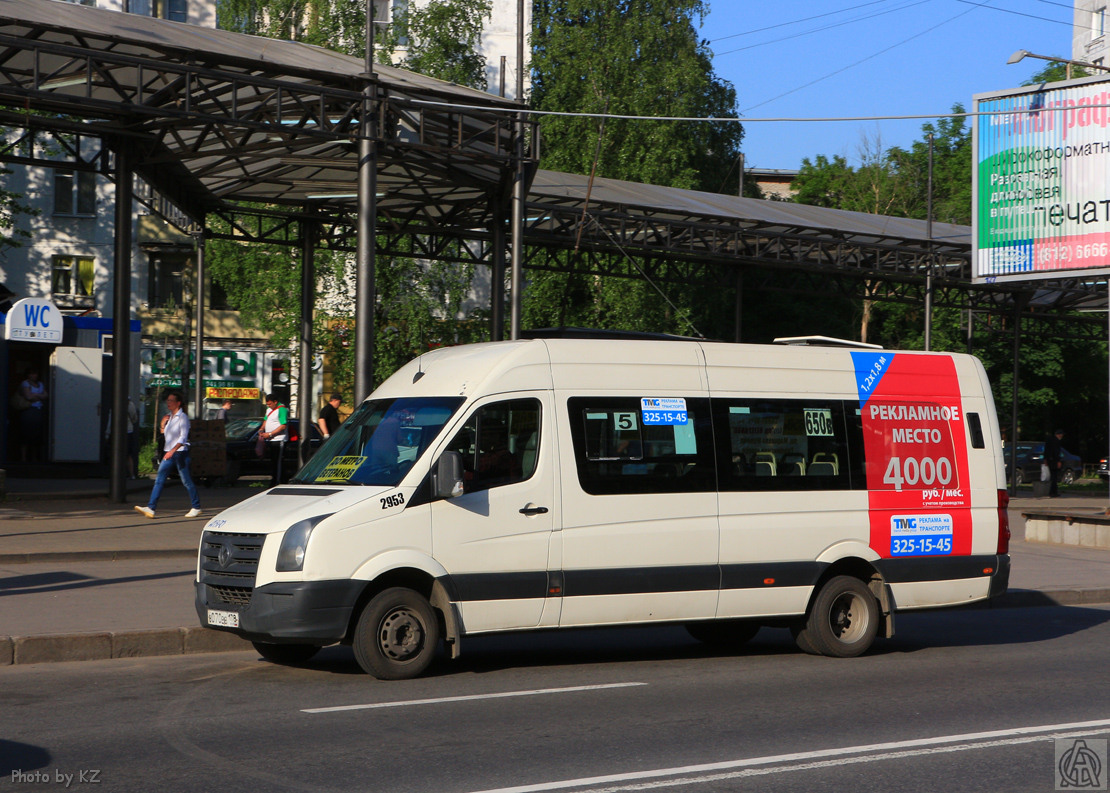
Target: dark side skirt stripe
696, 578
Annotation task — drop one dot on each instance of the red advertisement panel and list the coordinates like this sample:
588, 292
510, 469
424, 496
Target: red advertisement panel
916, 449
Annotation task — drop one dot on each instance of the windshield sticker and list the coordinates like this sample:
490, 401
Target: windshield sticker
340, 469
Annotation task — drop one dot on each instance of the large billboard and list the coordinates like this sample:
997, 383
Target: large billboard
1041, 181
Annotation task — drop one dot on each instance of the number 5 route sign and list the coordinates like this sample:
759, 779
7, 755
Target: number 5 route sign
916, 452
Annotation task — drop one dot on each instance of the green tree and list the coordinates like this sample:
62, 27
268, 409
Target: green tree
336, 25
1054, 72
420, 304
441, 39
638, 58
12, 206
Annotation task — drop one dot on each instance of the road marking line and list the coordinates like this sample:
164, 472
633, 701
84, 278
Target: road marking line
469, 697
804, 760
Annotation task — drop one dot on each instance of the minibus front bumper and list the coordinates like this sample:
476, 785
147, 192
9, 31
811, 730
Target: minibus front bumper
308, 612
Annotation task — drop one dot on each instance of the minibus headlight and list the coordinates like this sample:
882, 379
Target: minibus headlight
291, 553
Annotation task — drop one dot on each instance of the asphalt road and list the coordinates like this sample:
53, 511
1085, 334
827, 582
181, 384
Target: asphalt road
960, 700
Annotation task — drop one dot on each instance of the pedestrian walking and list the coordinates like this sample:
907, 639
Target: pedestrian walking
225, 410
329, 416
275, 433
1054, 461
175, 428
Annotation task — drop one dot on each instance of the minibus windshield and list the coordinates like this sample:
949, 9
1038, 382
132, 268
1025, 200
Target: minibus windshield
380, 442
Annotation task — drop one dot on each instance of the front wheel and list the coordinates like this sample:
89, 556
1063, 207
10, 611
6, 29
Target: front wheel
397, 635
843, 620
1067, 477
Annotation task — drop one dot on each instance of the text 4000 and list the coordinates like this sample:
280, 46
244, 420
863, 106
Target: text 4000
910, 471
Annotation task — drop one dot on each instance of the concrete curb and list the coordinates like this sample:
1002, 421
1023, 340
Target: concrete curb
97, 556
101, 646
104, 645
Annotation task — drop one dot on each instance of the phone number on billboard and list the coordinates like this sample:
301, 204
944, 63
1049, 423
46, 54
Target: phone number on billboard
1072, 252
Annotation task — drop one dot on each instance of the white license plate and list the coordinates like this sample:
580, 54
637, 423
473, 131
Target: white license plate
225, 619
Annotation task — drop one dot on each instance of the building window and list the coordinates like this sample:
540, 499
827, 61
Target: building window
73, 279
174, 10
74, 192
1098, 23
167, 277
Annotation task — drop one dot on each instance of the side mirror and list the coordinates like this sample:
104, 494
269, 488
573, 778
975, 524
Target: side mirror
447, 476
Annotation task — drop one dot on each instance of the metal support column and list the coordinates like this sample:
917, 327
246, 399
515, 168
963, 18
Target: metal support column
121, 325
1011, 451
929, 260
517, 278
738, 316
305, 396
198, 400
497, 278
365, 292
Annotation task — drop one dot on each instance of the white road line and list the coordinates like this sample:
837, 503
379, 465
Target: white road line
798, 761
469, 697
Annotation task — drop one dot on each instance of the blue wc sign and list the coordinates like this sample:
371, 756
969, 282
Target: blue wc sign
34, 319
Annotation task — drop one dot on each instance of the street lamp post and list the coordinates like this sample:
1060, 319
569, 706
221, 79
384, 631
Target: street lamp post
1020, 54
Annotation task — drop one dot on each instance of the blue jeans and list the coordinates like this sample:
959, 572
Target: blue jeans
181, 460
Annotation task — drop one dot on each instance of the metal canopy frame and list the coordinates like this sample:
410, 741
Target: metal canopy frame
215, 118
263, 134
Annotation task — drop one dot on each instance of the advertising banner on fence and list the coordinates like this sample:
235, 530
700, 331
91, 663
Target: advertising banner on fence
1041, 181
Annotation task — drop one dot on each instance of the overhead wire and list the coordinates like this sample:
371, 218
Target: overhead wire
795, 21
822, 29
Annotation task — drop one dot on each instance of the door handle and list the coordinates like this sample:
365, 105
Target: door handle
534, 511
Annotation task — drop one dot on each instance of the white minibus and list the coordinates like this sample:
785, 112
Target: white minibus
572, 482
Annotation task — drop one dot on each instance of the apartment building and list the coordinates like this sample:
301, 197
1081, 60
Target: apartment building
1089, 33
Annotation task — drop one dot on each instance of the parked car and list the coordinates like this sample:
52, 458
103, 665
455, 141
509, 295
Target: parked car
242, 460
1030, 455
1103, 470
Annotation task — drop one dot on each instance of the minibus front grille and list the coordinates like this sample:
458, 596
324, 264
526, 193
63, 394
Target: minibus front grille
230, 595
229, 565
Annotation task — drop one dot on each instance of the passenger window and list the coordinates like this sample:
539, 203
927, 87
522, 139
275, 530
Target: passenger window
621, 446
499, 444
780, 444
975, 427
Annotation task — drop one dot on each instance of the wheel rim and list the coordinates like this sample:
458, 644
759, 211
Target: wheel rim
848, 617
401, 634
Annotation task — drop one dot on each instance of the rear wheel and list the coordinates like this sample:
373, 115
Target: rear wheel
1067, 477
723, 633
397, 635
292, 654
843, 620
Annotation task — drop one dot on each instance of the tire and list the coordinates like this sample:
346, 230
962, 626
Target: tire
1067, 477
397, 635
290, 654
723, 633
843, 620
1020, 478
